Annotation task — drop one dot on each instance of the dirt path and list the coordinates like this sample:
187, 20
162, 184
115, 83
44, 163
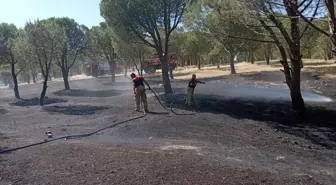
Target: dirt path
238, 138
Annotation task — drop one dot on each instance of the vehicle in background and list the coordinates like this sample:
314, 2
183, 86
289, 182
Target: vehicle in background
102, 68
151, 64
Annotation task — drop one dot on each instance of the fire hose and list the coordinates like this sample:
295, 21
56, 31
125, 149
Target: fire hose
170, 106
97, 131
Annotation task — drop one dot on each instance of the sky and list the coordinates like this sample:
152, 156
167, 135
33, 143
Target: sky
19, 12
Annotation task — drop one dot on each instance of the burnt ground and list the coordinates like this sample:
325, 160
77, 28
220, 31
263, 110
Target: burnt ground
243, 133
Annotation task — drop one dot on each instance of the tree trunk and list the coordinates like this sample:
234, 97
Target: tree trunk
163, 54
28, 78
326, 55
296, 96
34, 77
199, 62
267, 56
65, 74
296, 62
15, 81
252, 57
247, 56
232, 66
112, 65
44, 88
218, 64
166, 81
136, 67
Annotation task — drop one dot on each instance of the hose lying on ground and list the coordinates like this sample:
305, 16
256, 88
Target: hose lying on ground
170, 106
94, 132
71, 136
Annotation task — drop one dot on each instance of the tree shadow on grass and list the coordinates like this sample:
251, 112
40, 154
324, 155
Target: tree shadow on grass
36, 102
88, 93
319, 125
75, 109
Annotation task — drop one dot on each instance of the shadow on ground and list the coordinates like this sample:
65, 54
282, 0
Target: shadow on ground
319, 125
88, 93
274, 76
75, 109
3, 110
36, 102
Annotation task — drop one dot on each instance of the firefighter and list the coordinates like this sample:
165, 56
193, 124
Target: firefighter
191, 87
140, 92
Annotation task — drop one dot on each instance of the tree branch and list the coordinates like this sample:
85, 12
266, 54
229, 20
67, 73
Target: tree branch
19, 72
306, 27
310, 23
74, 60
281, 28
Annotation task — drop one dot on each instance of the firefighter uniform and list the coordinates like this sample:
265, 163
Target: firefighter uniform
140, 93
191, 87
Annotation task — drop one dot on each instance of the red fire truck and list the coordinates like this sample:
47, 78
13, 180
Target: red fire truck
151, 64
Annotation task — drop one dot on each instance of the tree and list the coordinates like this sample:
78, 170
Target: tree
217, 54
8, 34
46, 39
221, 21
267, 51
101, 46
318, 6
131, 53
269, 15
75, 45
323, 48
196, 44
145, 19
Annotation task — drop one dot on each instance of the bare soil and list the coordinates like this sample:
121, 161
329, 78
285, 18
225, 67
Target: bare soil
243, 133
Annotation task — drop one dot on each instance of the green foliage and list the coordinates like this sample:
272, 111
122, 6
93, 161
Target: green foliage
144, 18
22, 51
76, 38
100, 43
46, 40
8, 32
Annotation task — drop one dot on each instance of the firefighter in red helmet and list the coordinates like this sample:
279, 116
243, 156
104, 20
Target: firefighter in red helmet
140, 92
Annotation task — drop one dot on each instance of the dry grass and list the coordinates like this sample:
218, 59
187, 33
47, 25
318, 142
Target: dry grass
325, 69
212, 71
